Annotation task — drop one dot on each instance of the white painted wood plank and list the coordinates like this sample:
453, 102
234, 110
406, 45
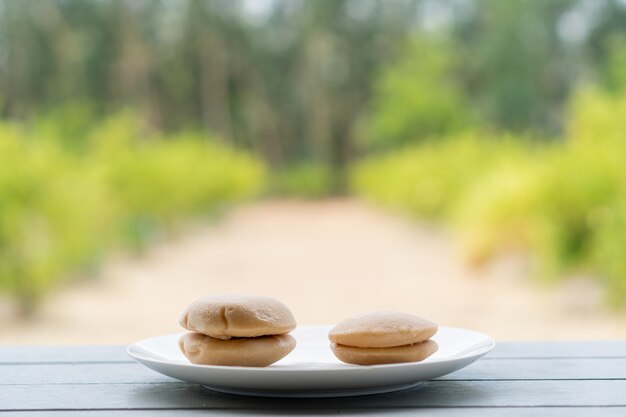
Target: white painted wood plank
421, 412
593, 393
55, 354
505, 369
596, 349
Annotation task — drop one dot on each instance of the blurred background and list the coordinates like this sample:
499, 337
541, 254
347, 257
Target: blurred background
464, 160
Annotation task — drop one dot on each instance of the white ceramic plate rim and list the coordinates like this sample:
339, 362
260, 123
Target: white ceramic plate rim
135, 351
311, 370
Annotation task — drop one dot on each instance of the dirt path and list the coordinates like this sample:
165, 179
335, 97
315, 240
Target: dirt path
326, 260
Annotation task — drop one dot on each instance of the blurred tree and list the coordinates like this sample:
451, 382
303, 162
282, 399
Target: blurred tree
614, 71
289, 79
515, 65
285, 78
417, 98
605, 43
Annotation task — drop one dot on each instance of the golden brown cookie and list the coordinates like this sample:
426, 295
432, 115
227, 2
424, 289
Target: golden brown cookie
374, 356
382, 329
227, 316
255, 351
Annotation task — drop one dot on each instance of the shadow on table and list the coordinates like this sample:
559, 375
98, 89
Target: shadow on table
178, 395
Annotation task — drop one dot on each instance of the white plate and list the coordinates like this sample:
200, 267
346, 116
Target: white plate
312, 370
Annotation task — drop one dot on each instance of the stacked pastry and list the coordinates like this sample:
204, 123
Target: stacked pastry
237, 330
383, 337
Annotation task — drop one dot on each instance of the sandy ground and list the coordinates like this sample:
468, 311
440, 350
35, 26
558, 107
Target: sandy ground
326, 260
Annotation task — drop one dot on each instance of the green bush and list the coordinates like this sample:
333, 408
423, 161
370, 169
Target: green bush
54, 212
492, 213
428, 180
62, 207
563, 202
608, 249
416, 98
303, 181
544, 204
159, 180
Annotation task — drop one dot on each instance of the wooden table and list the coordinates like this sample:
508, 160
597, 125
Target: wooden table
516, 379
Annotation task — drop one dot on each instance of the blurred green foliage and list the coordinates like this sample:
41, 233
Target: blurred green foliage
302, 181
416, 98
294, 80
428, 180
519, 59
62, 209
614, 72
562, 201
284, 78
462, 101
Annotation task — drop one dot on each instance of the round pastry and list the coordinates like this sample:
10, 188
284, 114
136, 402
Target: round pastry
374, 356
383, 337
256, 351
227, 316
382, 329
